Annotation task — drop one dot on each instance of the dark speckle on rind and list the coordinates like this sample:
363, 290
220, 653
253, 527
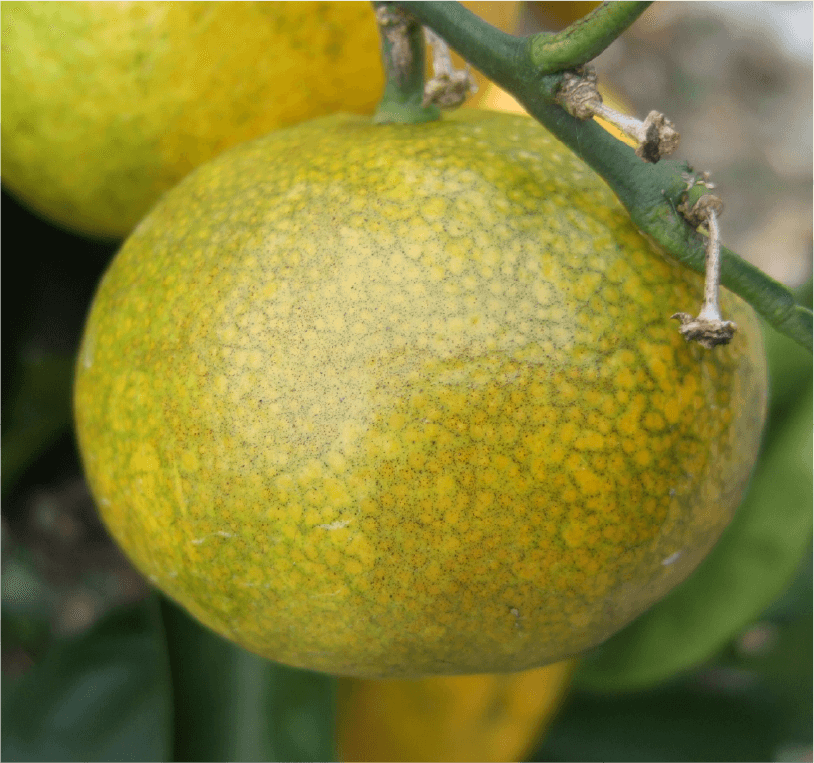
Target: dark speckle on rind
473, 400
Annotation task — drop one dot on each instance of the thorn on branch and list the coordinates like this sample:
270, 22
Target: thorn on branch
708, 329
656, 136
448, 87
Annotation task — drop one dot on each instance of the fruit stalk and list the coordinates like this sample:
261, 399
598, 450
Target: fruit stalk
402, 42
709, 328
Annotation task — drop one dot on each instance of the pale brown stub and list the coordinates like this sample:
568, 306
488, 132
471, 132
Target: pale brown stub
656, 137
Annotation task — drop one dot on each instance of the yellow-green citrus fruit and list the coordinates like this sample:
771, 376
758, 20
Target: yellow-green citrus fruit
403, 400
492, 717
107, 105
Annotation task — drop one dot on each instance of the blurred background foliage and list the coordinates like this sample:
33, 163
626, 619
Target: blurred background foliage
96, 666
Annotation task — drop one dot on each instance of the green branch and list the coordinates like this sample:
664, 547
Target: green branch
650, 192
403, 56
585, 39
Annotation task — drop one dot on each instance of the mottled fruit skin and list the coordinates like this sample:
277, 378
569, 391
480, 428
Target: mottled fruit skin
407, 400
108, 105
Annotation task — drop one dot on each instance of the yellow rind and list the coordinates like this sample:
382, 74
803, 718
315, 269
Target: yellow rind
493, 717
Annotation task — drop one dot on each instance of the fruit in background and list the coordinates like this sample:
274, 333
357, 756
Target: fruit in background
503, 15
108, 105
404, 400
493, 717
558, 15
499, 14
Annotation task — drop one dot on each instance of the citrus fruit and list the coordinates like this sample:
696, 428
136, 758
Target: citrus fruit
108, 105
404, 400
493, 717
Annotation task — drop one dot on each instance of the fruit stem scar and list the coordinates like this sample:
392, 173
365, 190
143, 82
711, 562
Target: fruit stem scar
656, 136
709, 328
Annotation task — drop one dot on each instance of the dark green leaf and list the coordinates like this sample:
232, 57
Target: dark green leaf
681, 723
103, 695
38, 412
232, 705
789, 364
777, 649
798, 600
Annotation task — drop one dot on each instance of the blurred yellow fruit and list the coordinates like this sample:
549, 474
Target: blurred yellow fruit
108, 105
558, 15
493, 717
503, 15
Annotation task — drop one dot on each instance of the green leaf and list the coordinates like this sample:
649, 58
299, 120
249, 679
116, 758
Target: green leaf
103, 695
677, 723
786, 670
797, 602
748, 569
789, 367
38, 412
777, 649
232, 705
27, 597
